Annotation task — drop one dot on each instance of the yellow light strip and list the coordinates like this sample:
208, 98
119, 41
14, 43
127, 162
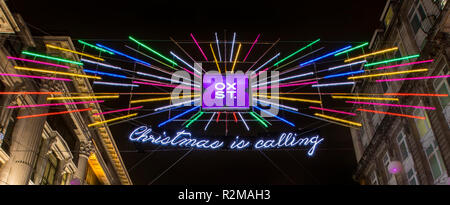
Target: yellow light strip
292, 99
161, 99
57, 72
363, 98
83, 97
338, 119
372, 54
320, 94
111, 120
215, 59
235, 59
389, 73
76, 52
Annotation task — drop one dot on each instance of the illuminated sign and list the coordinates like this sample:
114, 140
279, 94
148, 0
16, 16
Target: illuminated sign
184, 138
225, 92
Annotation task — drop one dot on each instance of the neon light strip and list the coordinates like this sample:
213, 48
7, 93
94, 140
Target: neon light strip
291, 99
30, 93
124, 55
144, 54
184, 62
405, 64
218, 116
192, 117
95, 47
346, 65
338, 119
391, 105
322, 57
153, 51
416, 78
191, 72
56, 72
101, 64
391, 113
161, 99
34, 76
54, 104
53, 113
288, 78
215, 59
246, 126
51, 58
84, 97
38, 62
317, 118
114, 84
235, 118
299, 50
196, 43
120, 110
333, 84
253, 44
177, 104
163, 78
212, 116
177, 116
372, 54
363, 98
259, 120
343, 74
391, 60
330, 110
263, 55
389, 73
76, 52
284, 85
417, 94
104, 73
112, 120
276, 104
304, 56
282, 119
196, 118
218, 47
232, 47
352, 49
266, 62
164, 85
235, 59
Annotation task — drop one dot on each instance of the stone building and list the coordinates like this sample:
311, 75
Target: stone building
422, 146
49, 150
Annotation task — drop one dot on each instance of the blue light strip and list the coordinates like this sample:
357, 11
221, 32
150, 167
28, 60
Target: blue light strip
103, 73
324, 56
206, 127
171, 53
232, 47
218, 47
343, 74
266, 62
114, 84
124, 55
282, 119
173, 118
248, 129
101, 64
332, 84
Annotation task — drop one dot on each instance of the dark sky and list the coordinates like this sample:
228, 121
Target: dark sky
337, 23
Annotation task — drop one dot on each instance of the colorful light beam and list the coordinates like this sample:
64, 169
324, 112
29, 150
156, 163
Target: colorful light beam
259, 120
338, 119
392, 60
104, 73
120, 110
389, 73
232, 47
332, 84
84, 97
178, 116
153, 51
38, 62
416, 78
173, 54
243, 121
123, 54
76, 52
101, 64
343, 74
52, 113
253, 44
115, 84
363, 98
391, 113
324, 56
279, 118
291, 99
218, 47
298, 51
51, 58
95, 47
266, 62
331, 110
372, 54
195, 119
346, 65
391, 105
215, 59
112, 120
235, 59
56, 72
405, 64
54, 104
162, 99
352, 49
34, 76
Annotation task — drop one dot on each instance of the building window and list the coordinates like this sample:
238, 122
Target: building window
412, 177
404, 151
7, 139
386, 161
440, 3
50, 170
423, 126
442, 86
407, 160
435, 160
374, 178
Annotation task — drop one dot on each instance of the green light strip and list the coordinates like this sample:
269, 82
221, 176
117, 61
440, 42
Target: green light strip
191, 118
351, 49
95, 47
262, 122
301, 49
192, 121
153, 51
51, 58
392, 60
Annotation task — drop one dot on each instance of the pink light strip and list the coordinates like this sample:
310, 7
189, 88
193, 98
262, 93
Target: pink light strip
34, 76
330, 110
391, 105
253, 76
56, 104
256, 40
199, 47
417, 78
191, 72
405, 64
285, 85
165, 85
38, 62
120, 110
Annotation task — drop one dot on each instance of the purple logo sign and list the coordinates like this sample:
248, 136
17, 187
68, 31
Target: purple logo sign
225, 92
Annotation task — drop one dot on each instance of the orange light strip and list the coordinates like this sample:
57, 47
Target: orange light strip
30, 93
417, 94
53, 113
391, 113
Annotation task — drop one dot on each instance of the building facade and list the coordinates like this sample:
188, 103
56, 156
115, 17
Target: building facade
422, 146
49, 150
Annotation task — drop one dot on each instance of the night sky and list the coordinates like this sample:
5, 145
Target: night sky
337, 23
